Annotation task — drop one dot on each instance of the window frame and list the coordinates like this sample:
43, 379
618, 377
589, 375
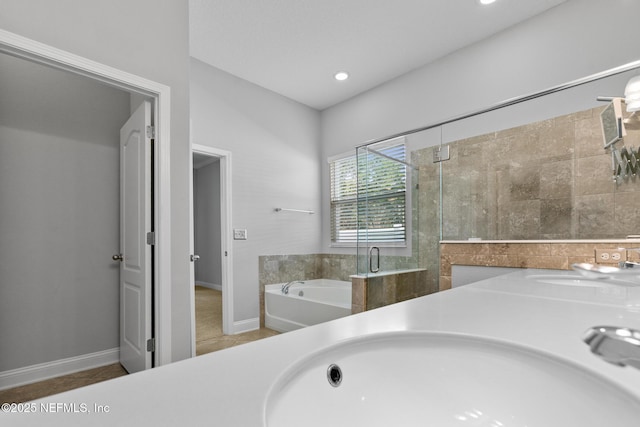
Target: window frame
406, 194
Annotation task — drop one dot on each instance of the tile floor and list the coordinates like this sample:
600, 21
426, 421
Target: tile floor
209, 338
209, 324
60, 384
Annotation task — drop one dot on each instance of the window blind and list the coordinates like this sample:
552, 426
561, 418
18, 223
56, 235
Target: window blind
380, 216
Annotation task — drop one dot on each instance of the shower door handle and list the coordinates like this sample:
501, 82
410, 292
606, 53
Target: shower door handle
377, 259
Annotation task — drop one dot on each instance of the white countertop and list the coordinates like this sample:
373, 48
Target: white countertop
229, 387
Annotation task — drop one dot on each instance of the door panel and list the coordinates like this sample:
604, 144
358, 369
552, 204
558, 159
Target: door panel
135, 222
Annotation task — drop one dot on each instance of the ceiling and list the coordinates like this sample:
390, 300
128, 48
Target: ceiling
294, 47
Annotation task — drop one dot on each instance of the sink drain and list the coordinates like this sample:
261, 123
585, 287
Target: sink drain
334, 375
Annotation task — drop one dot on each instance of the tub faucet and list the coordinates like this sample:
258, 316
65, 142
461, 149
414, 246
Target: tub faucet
619, 346
286, 286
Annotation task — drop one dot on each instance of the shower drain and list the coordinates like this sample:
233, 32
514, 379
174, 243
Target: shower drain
334, 375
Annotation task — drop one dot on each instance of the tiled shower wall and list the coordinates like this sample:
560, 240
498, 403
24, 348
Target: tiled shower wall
546, 180
380, 290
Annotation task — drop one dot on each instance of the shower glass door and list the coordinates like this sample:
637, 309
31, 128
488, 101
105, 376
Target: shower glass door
387, 209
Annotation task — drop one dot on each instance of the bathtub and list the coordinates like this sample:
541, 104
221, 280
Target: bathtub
314, 301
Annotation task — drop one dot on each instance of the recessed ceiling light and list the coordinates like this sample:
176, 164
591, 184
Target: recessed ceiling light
342, 75
487, 1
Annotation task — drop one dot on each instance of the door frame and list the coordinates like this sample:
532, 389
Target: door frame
160, 95
225, 237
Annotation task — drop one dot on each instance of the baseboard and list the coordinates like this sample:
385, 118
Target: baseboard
44, 371
246, 326
209, 285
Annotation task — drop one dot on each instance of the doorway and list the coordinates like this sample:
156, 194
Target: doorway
23, 48
59, 221
207, 261
210, 212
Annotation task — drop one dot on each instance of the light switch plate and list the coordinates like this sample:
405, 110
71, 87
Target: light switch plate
239, 234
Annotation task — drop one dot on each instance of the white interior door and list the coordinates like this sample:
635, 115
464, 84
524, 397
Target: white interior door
135, 253
225, 240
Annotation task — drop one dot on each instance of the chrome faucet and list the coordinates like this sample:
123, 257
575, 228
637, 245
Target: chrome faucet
286, 286
619, 346
629, 264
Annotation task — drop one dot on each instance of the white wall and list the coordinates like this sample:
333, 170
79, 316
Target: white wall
149, 38
276, 163
206, 212
575, 39
59, 214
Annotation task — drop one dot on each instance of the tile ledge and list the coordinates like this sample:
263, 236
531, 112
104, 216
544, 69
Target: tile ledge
542, 241
386, 273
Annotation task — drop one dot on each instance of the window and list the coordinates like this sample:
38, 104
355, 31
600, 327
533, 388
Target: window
382, 197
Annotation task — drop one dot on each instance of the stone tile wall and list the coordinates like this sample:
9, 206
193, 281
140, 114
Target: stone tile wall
378, 291
545, 180
549, 180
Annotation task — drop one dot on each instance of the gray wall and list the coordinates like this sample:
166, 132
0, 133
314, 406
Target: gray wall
206, 211
149, 38
59, 214
560, 45
275, 153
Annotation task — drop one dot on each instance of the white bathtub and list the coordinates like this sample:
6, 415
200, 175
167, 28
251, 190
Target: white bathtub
309, 303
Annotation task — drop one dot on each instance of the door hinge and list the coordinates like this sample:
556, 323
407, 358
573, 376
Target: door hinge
151, 132
151, 238
441, 153
151, 344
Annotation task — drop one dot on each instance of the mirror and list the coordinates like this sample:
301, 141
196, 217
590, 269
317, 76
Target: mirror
612, 126
535, 170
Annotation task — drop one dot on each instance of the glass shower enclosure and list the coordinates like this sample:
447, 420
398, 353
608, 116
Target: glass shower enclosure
387, 209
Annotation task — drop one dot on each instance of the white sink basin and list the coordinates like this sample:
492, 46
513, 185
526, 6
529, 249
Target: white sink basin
425, 379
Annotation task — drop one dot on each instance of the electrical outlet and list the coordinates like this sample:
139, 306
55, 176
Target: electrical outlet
610, 255
619, 255
239, 234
